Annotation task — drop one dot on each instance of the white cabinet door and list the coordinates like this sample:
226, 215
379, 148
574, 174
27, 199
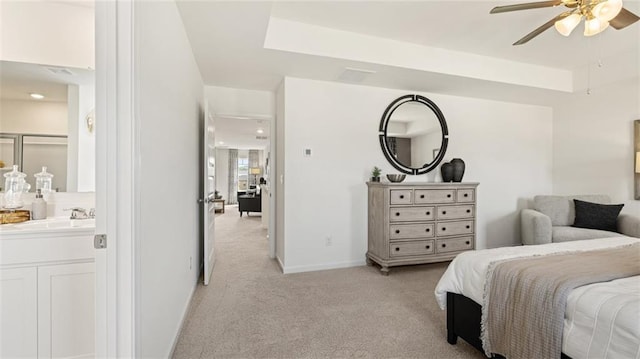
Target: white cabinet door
18, 310
66, 310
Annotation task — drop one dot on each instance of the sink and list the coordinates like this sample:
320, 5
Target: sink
53, 223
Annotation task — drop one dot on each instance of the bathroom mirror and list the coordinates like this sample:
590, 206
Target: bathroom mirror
413, 134
43, 122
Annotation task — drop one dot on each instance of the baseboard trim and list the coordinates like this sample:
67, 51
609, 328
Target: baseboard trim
184, 317
318, 267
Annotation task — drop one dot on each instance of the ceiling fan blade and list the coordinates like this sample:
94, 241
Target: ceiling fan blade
542, 28
624, 19
525, 6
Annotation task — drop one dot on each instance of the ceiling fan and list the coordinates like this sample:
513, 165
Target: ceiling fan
598, 15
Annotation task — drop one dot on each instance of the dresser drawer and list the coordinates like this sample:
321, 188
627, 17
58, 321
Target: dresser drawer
423, 230
435, 196
455, 212
413, 248
466, 195
405, 214
454, 228
454, 244
401, 196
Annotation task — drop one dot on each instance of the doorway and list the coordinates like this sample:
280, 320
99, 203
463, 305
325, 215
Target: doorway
243, 175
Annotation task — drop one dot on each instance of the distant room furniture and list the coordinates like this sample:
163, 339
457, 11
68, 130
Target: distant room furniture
218, 203
419, 223
249, 204
552, 217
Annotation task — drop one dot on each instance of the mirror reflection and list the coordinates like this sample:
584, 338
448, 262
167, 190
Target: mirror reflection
46, 120
414, 136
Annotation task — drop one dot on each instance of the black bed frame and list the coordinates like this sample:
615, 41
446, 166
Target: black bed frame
463, 320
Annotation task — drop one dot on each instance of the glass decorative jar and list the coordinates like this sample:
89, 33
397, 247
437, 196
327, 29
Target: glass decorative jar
14, 186
43, 181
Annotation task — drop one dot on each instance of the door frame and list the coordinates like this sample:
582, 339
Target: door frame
117, 186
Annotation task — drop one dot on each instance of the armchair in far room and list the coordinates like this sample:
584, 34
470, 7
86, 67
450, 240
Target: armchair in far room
552, 219
249, 204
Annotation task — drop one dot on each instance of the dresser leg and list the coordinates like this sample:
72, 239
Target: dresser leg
384, 271
369, 262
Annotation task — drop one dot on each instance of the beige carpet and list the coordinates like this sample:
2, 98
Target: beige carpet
251, 310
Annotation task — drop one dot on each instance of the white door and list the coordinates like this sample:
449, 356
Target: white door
208, 191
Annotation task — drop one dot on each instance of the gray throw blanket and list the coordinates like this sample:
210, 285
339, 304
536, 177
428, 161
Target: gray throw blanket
525, 299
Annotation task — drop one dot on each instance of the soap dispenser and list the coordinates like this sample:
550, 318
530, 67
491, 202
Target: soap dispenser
39, 206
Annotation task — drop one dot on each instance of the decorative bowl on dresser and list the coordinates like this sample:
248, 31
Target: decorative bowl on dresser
416, 223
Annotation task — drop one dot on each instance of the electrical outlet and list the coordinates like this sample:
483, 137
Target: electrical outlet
328, 241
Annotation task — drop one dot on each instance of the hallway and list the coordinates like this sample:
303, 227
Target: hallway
251, 310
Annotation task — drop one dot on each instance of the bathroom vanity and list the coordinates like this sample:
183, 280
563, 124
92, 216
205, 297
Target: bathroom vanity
47, 289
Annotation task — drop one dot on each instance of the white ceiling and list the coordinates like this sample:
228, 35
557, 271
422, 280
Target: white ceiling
18, 80
228, 40
240, 133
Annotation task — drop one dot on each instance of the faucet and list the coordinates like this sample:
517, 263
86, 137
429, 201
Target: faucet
81, 213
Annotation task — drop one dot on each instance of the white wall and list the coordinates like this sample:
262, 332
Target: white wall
593, 143
81, 159
34, 117
47, 32
507, 148
240, 102
222, 172
169, 102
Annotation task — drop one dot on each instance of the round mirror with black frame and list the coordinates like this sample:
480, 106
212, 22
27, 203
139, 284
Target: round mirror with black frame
413, 134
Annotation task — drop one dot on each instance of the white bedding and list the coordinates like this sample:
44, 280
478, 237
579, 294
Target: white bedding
615, 305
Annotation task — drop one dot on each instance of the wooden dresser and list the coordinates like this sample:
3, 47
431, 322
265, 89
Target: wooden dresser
415, 223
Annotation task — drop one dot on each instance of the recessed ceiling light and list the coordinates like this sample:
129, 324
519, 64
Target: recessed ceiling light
221, 142
260, 131
37, 96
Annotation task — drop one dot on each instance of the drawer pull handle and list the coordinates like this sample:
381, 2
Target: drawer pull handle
466, 195
449, 196
427, 230
421, 196
444, 212
467, 242
401, 196
397, 213
468, 211
397, 249
427, 247
444, 229
397, 231
468, 226
444, 245
428, 213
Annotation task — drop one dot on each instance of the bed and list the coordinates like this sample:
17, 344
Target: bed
601, 320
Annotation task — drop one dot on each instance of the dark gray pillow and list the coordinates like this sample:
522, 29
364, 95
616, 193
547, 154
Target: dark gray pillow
596, 215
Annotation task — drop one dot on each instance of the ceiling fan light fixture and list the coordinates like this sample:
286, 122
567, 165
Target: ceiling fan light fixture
594, 26
607, 10
566, 25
